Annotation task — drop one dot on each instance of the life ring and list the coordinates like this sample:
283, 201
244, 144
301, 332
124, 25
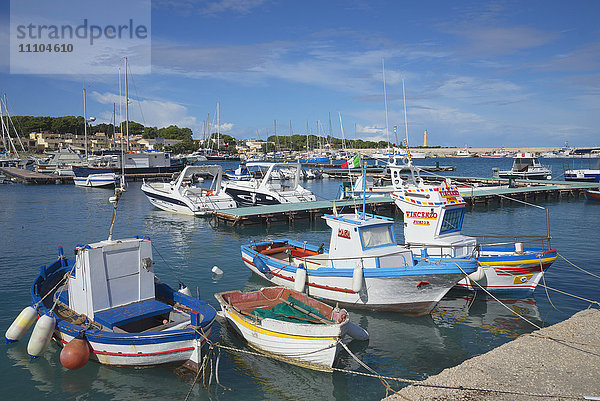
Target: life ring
209, 193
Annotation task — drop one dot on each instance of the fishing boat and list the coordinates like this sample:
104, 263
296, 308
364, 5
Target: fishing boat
585, 175
526, 166
269, 189
433, 218
288, 324
364, 267
96, 180
107, 305
189, 193
463, 153
591, 194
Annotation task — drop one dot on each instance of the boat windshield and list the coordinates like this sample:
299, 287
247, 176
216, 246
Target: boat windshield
453, 220
376, 236
522, 164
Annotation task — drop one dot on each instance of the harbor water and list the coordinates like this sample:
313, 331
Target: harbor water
35, 220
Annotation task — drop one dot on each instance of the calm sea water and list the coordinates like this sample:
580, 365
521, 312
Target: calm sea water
35, 220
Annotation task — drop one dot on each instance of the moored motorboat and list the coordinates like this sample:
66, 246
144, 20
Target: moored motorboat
583, 175
591, 194
364, 267
433, 218
288, 324
269, 188
526, 166
96, 180
189, 193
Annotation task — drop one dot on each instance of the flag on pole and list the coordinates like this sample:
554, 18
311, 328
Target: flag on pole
352, 163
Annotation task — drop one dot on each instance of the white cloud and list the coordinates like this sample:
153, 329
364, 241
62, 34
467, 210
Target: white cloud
155, 113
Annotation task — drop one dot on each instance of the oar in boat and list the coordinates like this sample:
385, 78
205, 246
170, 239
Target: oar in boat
319, 318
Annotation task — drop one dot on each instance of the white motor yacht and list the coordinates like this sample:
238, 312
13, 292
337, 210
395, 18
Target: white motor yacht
189, 193
269, 185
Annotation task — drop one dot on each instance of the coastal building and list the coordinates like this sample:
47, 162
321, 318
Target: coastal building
49, 141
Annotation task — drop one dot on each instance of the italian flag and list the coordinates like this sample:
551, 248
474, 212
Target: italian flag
352, 163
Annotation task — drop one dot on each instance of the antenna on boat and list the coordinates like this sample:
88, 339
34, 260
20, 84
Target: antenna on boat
115, 200
364, 208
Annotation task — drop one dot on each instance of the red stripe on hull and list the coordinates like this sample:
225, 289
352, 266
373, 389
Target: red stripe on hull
324, 287
517, 271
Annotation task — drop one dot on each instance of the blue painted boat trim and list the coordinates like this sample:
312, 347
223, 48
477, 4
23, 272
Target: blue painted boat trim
50, 275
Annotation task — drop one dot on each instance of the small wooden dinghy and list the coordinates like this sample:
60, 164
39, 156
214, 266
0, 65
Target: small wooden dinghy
288, 324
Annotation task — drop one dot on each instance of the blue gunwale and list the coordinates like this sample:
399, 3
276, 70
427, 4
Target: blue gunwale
439, 266
50, 275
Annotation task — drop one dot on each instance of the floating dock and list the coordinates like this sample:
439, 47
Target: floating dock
499, 192
31, 177
289, 212
559, 362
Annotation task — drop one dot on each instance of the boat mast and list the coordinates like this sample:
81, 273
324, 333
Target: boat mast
343, 136
405, 119
8, 123
126, 105
3, 129
387, 133
85, 125
218, 129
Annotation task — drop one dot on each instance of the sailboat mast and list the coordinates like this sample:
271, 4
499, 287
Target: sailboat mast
126, 105
218, 128
387, 132
3, 129
342, 129
405, 119
85, 125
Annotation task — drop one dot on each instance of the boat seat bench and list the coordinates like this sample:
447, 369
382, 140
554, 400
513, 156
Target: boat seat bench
129, 313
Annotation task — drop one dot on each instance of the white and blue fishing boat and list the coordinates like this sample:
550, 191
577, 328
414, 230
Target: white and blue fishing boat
433, 219
108, 306
364, 267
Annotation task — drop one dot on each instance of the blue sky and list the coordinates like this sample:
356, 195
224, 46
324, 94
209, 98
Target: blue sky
493, 73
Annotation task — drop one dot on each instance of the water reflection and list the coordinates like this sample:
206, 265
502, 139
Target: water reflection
479, 311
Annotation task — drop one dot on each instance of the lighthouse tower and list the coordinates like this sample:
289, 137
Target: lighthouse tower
425, 138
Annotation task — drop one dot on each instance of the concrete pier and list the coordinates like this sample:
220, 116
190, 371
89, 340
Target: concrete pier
560, 362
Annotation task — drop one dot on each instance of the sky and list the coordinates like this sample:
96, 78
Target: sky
475, 73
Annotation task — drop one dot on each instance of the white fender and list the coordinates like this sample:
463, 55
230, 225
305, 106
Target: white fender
518, 247
357, 278
477, 275
184, 289
217, 271
21, 324
41, 336
356, 332
300, 279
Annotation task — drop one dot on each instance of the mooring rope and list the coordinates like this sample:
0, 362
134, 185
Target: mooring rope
577, 267
572, 295
544, 285
496, 299
400, 379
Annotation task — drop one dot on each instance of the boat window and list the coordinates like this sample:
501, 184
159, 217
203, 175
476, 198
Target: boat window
376, 236
453, 220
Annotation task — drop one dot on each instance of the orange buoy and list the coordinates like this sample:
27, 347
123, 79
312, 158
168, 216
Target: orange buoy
75, 353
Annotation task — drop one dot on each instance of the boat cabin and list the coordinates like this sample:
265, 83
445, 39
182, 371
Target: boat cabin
113, 284
525, 161
369, 240
433, 216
